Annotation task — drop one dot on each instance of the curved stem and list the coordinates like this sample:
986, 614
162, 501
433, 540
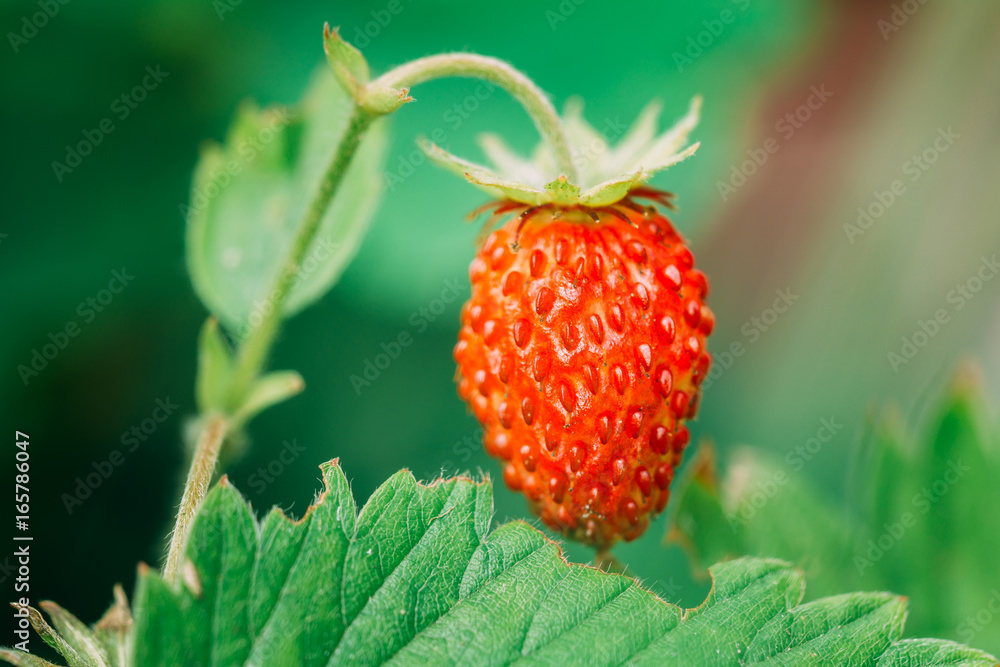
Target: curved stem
523, 89
206, 454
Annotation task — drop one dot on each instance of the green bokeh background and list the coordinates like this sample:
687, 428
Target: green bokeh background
120, 208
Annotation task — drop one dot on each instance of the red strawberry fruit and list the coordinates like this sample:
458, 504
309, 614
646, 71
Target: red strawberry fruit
582, 347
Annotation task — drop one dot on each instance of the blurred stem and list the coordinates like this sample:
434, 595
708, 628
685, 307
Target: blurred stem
206, 453
254, 351
523, 89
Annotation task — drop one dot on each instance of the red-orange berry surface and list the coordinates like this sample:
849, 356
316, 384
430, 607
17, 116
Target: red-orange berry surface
581, 352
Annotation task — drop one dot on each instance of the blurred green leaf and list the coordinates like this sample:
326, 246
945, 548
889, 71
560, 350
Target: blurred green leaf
73, 651
418, 578
89, 649
698, 521
81, 646
249, 197
349, 66
933, 652
939, 488
23, 659
918, 508
761, 508
215, 364
114, 631
269, 390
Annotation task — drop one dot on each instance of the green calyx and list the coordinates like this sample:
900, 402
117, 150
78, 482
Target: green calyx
607, 173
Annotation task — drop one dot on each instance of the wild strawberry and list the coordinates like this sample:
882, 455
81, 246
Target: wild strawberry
582, 347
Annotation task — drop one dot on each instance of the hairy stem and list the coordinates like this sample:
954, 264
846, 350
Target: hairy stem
206, 453
255, 349
523, 89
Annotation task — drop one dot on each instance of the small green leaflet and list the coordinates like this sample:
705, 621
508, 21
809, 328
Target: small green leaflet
417, 578
249, 197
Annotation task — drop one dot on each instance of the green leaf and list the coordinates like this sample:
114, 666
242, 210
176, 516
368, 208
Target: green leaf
67, 648
914, 522
91, 651
107, 644
23, 659
249, 197
935, 652
215, 365
417, 577
114, 631
762, 508
697, 521
349, 66
943, 480
268, 390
